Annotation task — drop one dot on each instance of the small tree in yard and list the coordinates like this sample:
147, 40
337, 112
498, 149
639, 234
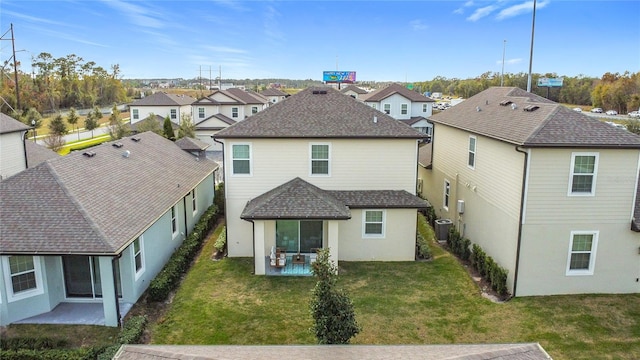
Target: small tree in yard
90, 122
72, 119
57, 126
150, 123
168, 129
117, 129
187, 128
332, 310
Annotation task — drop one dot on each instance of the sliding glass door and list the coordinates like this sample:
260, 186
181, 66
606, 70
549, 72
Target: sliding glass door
82, 276
298, 236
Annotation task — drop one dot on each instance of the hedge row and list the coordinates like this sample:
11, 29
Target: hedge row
169, 277
130, 334
423, 249
32, 343
221, 241
483, 263
50, 354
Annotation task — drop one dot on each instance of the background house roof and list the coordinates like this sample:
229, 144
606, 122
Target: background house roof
246, 97
9, 124
500, 113
392, 89
78, 204
37, 154
191, 144
225, 119
164, 99
353, 88
273, 92
320, 112
159, 119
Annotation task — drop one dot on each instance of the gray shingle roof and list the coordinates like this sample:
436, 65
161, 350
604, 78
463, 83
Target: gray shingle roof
246, 97
353, 88
298, 199
9, 124
320, 112
221, 117
522, 351
273, 92
37, 154
550, 125
392, 89
425, 153
164, 99
191, 144
159, 119
96, 205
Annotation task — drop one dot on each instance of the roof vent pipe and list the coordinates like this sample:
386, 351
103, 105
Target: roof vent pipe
375, 119
126, 154
478, 108
514, 106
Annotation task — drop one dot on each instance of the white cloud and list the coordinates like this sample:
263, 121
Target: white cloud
138, 15
510, 61
272, 26
523, 8
32, 18
482, 12
418, 25
224, 49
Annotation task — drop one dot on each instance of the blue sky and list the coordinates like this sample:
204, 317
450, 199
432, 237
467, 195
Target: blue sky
380, 40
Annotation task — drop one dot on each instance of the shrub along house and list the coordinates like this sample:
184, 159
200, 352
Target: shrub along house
95, 227
549, 193
321, 170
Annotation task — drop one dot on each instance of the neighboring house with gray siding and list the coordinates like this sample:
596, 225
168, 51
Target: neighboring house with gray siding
298, 176
97, 226
551, 194
13, 155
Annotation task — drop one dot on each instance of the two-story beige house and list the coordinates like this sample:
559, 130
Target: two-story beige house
402, 104
161, 104
549, 193
321, 170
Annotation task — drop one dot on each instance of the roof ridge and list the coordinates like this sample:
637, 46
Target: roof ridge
541, 125
78, 206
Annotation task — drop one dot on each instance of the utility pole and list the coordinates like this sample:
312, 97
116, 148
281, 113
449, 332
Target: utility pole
15, 69
533, 26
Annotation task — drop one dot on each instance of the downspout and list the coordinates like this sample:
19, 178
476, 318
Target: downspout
115, 286
521, 217
24, 148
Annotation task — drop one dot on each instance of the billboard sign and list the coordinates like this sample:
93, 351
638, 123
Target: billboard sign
549, 82
339, 76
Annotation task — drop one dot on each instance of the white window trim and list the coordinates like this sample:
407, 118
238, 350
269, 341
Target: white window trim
425, 108
173, 113
592, 258
254, 110
173, 212
446, 195
407, 109
364, 224
311, 160
194, 201
236, 113
201, 114
474, 152
39, 289
595, 173
250, 159
135, 113
384, 108
138, 273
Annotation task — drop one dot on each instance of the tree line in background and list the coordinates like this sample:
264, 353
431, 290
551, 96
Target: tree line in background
70, 81
620, 92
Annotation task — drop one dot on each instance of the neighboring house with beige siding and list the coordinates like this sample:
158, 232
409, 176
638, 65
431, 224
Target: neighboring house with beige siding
549, 193
161, 104
298, 176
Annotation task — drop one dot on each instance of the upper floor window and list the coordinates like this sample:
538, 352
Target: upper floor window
254, 110
404, 109
320, 157
194, 202
241, 159
446, 194
373, 223
136, 114
584, 169
200, 113
174, 114
234, 112
425, 107
582, 252
471, 162
375, 106
387, 108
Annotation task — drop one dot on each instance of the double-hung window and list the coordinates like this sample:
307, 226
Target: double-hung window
234, 112
136, 114
200, 113
138, 256
373, 223
582, 252
320, 159
425, 108
23, 273
174, 114
254, 110
584, 169
446, 194
404, 109
241, 159
471, 162
387, 109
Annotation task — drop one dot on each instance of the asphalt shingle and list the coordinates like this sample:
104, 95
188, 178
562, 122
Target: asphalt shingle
9, 124
392, 89
164, 99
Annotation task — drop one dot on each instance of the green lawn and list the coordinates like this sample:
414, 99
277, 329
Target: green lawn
436, 302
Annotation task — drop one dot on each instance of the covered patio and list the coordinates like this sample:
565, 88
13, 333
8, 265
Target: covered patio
70, 313
291, 267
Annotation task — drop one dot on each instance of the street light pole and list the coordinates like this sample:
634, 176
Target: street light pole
33, 123
533, 26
